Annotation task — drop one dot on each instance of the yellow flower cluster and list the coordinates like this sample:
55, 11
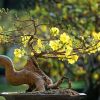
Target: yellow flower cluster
19, 53
54, 44
25, 40
39, 46
44, 28
38, 50
73, 58
96, 75
32, 54
96, 39
54, 31
64, 38
39, 43
98, 46
64, 44
96, 35
59, 5
68, 51
94, 49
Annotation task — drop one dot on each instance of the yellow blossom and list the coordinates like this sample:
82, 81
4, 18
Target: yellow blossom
44, 28
39, 43
98, 46
64, 38
95, 76
59, 5
73, 58
68, 51
32, 54
93, 49
54, 31
19, 53
54, 44
96, 35
37, 49
25, 40
39, 46
70, 42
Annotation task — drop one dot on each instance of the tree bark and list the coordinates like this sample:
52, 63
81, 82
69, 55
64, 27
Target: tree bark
31, 74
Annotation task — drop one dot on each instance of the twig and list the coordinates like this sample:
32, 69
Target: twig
56, 85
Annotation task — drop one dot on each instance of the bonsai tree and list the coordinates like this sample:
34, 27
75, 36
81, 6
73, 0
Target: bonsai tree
55, 42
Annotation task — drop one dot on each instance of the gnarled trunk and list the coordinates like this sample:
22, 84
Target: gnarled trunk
31, 74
